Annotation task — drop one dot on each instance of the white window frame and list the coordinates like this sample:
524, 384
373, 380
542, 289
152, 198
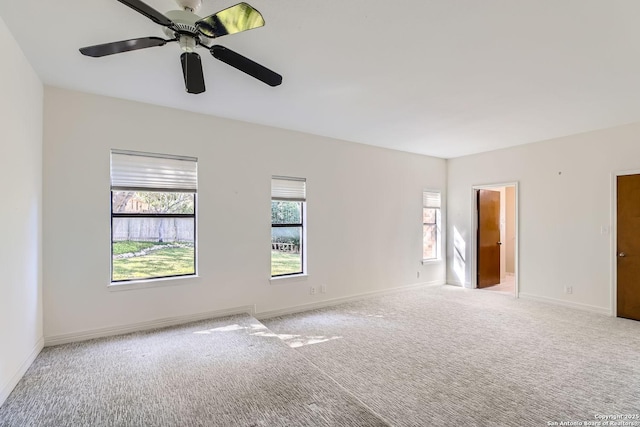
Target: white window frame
164, 173
297, 193
428, 202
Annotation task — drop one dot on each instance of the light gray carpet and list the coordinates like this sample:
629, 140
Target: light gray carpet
447, 356
225, 372
440, 356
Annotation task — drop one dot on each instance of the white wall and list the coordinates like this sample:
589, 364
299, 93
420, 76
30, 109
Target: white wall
364, 213
565, 195
21, 217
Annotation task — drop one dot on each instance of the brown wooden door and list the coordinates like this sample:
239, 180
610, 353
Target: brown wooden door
628, 234
488, 238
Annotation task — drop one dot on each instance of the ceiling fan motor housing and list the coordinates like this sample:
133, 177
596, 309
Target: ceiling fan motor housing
183, 19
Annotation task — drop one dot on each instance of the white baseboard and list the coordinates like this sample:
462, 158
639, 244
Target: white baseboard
335, 301
7, 388
577, 305
143, 326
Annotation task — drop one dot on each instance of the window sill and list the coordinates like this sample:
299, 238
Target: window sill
431, 261
293, 278
148, 283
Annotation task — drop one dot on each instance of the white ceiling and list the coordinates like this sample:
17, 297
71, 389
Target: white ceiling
437, 77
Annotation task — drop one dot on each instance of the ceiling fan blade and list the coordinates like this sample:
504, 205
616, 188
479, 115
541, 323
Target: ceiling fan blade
148, 11
241, 17
192, 71
122, 46
246, 65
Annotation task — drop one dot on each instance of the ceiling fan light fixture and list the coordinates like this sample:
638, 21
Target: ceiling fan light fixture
187, 43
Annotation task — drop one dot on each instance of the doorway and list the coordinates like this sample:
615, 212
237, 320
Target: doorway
627, 235
495, 245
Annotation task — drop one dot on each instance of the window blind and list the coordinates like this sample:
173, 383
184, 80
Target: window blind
431, 199
289, 189
153, 172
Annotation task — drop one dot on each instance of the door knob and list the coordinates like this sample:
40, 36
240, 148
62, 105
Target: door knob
622, 255
499, 243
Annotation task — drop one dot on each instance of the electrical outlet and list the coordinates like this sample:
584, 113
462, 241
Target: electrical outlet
568, 289
312, 290
323, 289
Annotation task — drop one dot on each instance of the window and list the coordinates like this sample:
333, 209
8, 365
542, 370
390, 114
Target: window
430, 225
153, 215
288, 197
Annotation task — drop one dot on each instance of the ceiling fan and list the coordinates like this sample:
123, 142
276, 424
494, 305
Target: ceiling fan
192, 31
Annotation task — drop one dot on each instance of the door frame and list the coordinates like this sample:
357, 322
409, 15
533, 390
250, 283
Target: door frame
614, 237
474, 231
